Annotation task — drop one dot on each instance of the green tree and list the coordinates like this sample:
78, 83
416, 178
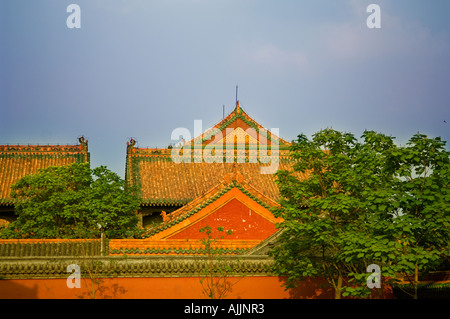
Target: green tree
362, 203
216, 280
73, 201
319, 212
408, 206
418, 221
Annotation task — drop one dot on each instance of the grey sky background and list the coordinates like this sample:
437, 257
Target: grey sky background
141, 68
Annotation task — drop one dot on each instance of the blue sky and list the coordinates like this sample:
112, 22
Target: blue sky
141, 68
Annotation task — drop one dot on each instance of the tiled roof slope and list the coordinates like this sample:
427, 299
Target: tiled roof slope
17, 161
164, 182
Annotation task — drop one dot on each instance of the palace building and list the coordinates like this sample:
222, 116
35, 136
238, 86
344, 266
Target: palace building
223, 178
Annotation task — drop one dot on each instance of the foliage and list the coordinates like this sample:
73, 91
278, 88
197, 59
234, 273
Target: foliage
73, 201
368, 202
216, 283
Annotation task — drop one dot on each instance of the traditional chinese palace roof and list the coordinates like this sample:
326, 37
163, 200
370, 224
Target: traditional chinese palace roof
17, 161
163, 181
219, 181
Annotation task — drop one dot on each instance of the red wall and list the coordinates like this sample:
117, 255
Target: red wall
264, 287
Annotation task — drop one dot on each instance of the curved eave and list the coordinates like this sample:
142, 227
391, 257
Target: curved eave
164, 202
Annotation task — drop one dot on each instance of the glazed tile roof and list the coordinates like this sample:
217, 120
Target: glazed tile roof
17, 161
165, 182
177, 246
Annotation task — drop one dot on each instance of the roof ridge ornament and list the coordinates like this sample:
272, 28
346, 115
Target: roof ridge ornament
233, 176
83, 141
131, 144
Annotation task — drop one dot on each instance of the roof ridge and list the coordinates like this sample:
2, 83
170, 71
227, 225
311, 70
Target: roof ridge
41, 148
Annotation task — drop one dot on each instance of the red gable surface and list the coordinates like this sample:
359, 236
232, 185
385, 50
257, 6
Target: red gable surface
233, 205
236, 216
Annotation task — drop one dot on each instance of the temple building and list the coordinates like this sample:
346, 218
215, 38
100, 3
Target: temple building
17, 161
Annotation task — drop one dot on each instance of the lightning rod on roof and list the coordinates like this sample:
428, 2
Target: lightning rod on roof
236, 94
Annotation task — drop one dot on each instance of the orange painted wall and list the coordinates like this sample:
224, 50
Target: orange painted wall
264, 287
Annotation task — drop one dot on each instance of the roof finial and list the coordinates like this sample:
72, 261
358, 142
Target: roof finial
237, 101
131, 144
83, 141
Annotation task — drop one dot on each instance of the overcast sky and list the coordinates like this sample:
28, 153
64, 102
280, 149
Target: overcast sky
140, 68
